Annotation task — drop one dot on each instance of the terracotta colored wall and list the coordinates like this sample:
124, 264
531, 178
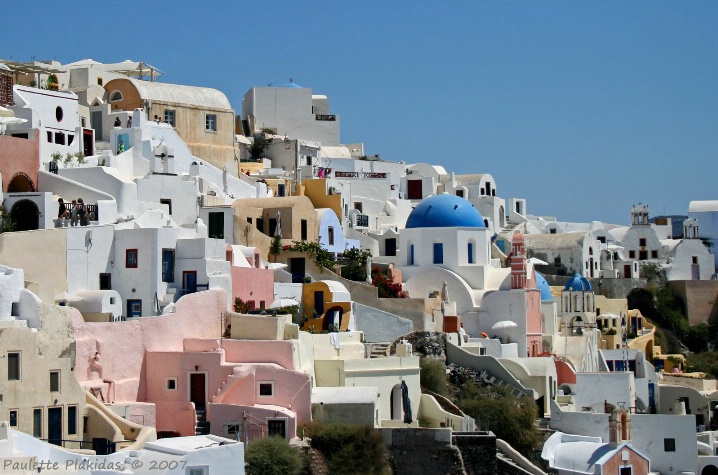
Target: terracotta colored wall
19, 156
564, 373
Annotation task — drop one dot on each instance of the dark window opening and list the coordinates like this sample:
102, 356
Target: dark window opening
13, 366
105, 281
265, 389
55, 381
131, 258
669, 445
168, 202
71, 420
304, 230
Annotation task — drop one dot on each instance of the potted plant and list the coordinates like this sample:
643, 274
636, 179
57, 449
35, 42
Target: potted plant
56, 156
68, 159
80, 158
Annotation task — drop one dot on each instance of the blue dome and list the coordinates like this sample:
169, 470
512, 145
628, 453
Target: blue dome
292, 84
445, 211
543, 286
578, 283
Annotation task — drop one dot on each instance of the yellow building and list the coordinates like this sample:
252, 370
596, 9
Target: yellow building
327, 306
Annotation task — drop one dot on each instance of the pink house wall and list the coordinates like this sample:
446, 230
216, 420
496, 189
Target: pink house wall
249, 283
223, 413
259, 351
122, 345
19, 156
534, 342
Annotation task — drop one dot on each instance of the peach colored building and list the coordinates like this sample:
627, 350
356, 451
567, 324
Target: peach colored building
19, 161
194, 385
250, 282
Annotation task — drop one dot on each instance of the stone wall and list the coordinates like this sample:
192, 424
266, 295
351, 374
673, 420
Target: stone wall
699, 299
423, 452
610, 288
478, 451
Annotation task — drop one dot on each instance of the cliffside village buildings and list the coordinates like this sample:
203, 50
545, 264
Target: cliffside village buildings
118, 333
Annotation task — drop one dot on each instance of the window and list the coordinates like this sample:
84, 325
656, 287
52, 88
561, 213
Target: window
411, 255
642, 242
654, 254
601, 239
49, 137
105, 281
210, 122
460, 193
281, 189
13, 418
170, 117
304, 230
131, 258
251, 304
197, 470
557, 261
631, 254
249, 220
216, 225
273, 226
13, 366
171, 384
266, 389
37, 423
330, 232
625, 471
60, 138
115, 96
59, 114
54, 381
99, 81
552, 231
390, 246
695, 260
669, 445
71, 420
168, 202
358, 206
642, 255
470, 250
260, 224
438, 253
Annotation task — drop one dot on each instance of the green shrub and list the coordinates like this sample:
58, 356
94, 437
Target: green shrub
511, 419
433, 375
273, 456
350, 449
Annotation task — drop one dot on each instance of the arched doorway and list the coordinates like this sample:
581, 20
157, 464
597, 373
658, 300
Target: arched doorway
709, 470
25, 215
20, 183
333, 317
395, 403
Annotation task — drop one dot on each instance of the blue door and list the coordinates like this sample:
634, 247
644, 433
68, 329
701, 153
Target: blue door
168, 265
134, 308
189, 281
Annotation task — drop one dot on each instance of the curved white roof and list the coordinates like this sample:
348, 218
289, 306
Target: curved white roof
703, 206
203, 97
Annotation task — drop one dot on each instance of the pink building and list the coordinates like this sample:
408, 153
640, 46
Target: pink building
201, 384
522, 278
250, 281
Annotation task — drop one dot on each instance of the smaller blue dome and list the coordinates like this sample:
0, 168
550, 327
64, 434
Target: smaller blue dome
445, 211
292, 84
578, 283
543, 286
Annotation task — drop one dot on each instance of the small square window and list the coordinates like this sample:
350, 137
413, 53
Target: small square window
266, 389
171, 384
55, 381
210, 122
631, 254
642, 242
654, 254
695, 259
669, 445
131, 258
13, 418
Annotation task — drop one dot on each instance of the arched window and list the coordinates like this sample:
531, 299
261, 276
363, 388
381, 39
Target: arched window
590, 251
115, 96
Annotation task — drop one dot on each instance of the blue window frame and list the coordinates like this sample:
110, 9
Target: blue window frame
471, 252
438, 253
411, 255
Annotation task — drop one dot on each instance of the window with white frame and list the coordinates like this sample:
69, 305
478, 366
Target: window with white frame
210, 122
171, 384
115, 96
198, 470
265, 388
170, 117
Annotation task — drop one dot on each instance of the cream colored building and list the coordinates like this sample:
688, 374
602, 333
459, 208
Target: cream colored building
203, 117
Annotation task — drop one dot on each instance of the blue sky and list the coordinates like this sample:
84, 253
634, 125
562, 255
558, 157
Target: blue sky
583, 108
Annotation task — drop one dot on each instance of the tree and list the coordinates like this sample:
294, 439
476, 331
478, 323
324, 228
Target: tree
6, 222
275, 248
350, 449
354, 261
259, 145
273, 456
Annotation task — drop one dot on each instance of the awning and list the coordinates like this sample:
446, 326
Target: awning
242, 139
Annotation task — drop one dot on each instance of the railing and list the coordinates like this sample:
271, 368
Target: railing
329, 117
93, 212
247, 428
182, 292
